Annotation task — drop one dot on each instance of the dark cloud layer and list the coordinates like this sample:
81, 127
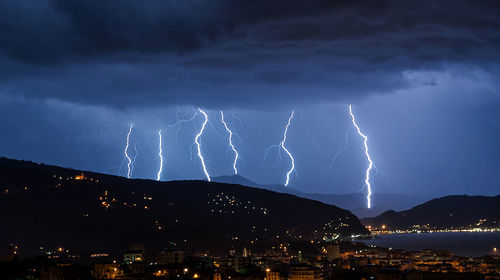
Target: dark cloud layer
236, 52
100, 27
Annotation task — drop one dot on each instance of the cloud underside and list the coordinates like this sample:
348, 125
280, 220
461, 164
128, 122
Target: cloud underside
235, 52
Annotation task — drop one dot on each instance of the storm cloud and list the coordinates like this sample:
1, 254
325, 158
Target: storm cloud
142, 53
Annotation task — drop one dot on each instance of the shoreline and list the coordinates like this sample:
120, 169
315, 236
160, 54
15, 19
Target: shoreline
413, 231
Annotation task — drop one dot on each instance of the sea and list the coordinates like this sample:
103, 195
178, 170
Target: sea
473, 244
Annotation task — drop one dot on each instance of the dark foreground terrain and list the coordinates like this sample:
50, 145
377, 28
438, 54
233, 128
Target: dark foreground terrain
52, 207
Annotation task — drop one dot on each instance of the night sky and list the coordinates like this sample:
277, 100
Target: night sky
422, 77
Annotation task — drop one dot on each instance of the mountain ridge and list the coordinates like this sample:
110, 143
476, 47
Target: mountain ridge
453, 211
48, 206
354, 202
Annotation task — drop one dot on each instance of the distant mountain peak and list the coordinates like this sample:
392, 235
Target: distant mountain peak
453, 211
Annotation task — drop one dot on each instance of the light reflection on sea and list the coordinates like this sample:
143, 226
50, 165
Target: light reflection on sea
460, 243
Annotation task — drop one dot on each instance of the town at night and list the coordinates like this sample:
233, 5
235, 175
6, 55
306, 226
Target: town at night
246, 140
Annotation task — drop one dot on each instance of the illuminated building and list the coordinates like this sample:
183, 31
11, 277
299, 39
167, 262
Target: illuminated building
246, 253
333, 252
106, 271
61, 271
302, 272
272, 275
170, 257
241, 264
137, 268
133, 256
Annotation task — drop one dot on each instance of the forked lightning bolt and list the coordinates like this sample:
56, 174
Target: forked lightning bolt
126, 151
181, 121
286, 150
197, 141
160, 154
230, 143
370, 165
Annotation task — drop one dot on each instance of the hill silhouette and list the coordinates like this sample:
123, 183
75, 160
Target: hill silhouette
49, 206
354, 202
454, 211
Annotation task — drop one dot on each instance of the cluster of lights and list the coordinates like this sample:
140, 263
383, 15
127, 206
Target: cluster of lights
58, 253
226, 204
293, 233
427, 228
105, 201
436, 261
333, 227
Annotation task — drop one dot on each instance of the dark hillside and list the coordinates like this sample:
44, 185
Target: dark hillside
50, 206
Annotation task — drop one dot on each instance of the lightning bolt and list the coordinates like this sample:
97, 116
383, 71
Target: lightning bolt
126, 151
181, 121
308, 130
133, 161
160, 154
370, 165
103, 137
269, 149
286, 150
230, 142
344, 148
196, 140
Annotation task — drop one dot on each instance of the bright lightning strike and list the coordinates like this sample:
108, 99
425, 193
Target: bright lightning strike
129, 172
160, 154
370, 165
196, 140
286, 150
230, 143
